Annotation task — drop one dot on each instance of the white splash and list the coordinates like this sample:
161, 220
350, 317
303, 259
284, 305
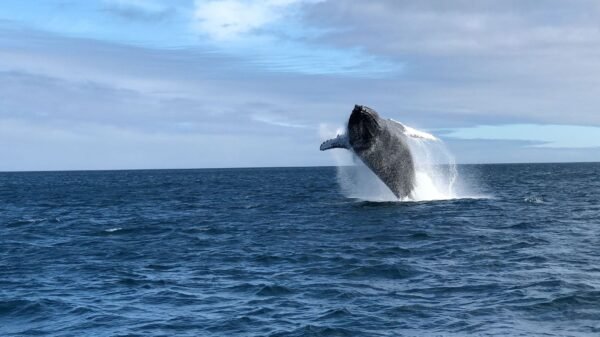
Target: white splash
435, 170
411, 132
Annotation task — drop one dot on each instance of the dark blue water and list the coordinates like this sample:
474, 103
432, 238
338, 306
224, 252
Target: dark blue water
281, 252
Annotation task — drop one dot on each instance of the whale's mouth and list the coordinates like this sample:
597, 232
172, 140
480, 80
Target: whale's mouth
363, 114
363, 125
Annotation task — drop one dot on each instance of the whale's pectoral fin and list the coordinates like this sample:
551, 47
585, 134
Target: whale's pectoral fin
339, 142
413, 133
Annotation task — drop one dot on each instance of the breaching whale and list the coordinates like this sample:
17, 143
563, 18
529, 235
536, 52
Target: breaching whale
382, 145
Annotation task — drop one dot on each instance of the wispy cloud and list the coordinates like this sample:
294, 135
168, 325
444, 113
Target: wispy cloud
40, 146
277, 121
234, 19
272, 36
138, 9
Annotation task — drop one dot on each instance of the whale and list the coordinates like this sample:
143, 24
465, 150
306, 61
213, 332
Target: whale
383, 146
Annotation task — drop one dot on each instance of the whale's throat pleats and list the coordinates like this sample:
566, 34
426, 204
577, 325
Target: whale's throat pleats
389, 157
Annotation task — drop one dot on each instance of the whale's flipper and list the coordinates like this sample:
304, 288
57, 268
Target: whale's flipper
413, 133
339, 142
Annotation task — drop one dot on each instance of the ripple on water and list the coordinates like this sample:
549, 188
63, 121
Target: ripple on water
388, 271
273, 290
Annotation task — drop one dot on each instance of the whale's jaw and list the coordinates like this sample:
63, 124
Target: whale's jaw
363, 126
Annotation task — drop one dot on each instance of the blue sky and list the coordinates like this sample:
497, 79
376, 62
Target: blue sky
113, 84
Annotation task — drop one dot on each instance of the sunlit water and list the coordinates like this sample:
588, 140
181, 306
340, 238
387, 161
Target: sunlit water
284, 252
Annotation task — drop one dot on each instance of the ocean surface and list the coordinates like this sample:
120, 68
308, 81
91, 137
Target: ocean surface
283, 252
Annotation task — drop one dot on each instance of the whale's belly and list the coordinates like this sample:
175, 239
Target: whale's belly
389, 157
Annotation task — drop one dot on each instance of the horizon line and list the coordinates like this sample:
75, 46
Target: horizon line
270, 167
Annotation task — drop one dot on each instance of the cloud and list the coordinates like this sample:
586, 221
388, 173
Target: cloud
276, 120
233, 19
272, 35
144, 10
231, 87
39, 146
461, 27
267, 35
133, 107
502, 61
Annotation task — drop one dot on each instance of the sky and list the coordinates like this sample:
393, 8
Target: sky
134, 84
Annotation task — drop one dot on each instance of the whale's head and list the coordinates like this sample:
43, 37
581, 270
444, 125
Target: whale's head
363, 126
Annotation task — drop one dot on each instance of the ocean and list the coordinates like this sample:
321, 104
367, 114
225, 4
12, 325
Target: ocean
287, 252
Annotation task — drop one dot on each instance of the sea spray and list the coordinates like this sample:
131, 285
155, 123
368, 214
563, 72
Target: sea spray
435, 172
